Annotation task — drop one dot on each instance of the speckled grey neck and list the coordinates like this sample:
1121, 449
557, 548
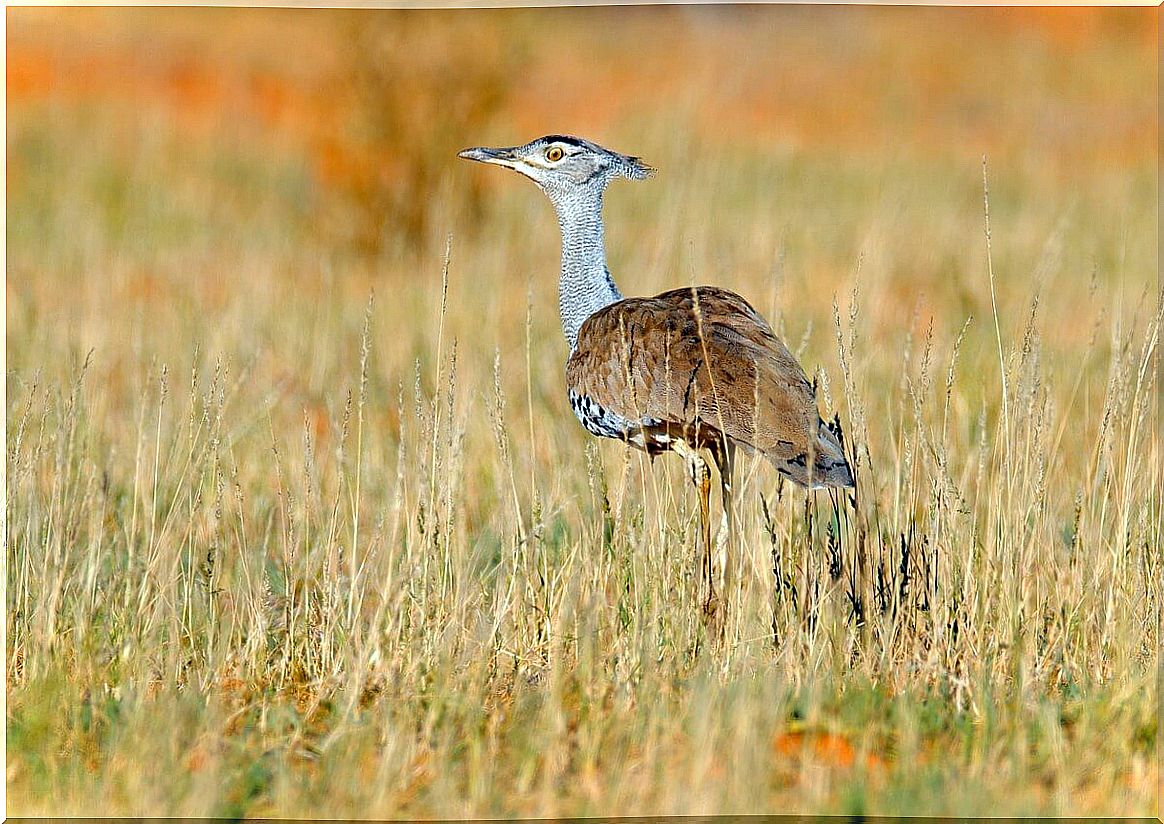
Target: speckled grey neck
585, 285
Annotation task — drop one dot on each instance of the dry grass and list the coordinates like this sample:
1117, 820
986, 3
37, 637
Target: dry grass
298, 516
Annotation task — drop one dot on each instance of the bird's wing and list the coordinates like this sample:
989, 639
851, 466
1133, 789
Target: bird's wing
703, 355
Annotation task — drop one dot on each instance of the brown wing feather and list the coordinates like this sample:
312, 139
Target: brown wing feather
696, 356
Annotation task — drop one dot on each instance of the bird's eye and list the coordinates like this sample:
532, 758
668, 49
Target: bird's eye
554, 154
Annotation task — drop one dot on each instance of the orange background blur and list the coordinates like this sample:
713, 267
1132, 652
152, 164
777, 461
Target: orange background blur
369, 100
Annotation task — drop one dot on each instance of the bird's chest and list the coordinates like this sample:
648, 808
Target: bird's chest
598, 420
646, 433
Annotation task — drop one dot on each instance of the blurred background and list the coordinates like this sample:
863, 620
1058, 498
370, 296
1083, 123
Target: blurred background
160, 154
364, 110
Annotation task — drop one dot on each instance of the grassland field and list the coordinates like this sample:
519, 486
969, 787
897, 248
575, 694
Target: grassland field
298, 521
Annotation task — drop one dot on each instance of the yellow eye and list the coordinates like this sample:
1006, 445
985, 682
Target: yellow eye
554, 154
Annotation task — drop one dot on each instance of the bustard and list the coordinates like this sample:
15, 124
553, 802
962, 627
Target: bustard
688, 370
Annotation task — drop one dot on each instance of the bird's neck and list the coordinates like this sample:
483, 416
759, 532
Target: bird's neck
585, 285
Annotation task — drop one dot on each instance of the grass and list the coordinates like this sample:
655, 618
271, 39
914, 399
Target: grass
301, 519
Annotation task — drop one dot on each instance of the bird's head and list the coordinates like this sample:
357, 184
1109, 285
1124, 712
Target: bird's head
563, 166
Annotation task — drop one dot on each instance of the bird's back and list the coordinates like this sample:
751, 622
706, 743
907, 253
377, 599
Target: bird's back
702, 357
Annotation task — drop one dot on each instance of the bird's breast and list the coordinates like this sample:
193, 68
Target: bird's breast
600, 421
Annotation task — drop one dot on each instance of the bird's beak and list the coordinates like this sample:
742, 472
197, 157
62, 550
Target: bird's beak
498, 157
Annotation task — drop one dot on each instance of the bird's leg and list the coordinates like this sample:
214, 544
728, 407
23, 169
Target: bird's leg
701, 477
707, 562
724, 452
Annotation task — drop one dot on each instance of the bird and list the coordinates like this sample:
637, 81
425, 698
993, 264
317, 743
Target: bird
692, 370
